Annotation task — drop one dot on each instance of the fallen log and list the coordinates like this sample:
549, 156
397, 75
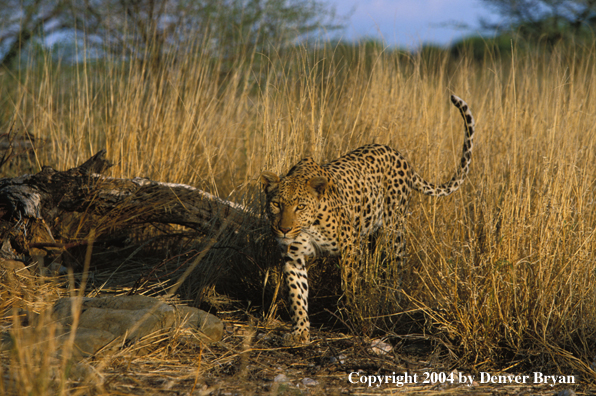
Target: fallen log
82, 220
132, 201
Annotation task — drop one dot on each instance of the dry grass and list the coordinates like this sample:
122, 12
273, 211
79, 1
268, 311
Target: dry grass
502, 272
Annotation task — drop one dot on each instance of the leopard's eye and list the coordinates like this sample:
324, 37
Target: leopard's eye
275, 204
301, 207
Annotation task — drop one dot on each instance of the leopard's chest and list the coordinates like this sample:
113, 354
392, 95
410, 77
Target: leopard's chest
323, 240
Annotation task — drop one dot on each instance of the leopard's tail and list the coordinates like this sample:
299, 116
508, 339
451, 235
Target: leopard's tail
419, 184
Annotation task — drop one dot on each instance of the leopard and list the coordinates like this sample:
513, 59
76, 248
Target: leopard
328, 210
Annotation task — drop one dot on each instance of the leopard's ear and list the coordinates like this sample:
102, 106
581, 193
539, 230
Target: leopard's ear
318, 185
269, 181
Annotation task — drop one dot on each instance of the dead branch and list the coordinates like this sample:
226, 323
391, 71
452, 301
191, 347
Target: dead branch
132, 201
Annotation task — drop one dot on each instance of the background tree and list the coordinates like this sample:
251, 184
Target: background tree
150, 29
23, 20
550, 20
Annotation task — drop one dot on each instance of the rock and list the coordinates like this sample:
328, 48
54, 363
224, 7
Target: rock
566, 392
341, 359
13, 272
280, 378
13, 265
83, 371
309, 382
114, 302
380, 348
16, 279
87, 342
133, 324
133, 316
108, 321
209, 325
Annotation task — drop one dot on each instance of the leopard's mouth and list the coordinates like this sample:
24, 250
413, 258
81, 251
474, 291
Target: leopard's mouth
280, 235
288, 236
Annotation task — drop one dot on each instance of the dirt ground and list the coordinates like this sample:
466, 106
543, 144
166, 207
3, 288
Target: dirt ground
255, 361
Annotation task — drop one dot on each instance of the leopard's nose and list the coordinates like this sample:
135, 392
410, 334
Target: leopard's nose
284, 230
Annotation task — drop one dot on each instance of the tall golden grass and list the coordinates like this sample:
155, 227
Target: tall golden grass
504, 270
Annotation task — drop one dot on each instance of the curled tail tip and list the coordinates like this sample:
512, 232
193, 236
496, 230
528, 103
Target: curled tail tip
463, 106
457, 101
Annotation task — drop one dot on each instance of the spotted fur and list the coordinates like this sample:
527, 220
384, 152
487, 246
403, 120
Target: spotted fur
328, 209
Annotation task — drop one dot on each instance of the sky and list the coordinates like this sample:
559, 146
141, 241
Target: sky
408, 23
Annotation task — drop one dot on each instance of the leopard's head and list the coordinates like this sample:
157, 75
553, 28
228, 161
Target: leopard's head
293, 200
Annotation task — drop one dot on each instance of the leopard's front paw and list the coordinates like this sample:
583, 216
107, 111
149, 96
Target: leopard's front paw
297, 337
